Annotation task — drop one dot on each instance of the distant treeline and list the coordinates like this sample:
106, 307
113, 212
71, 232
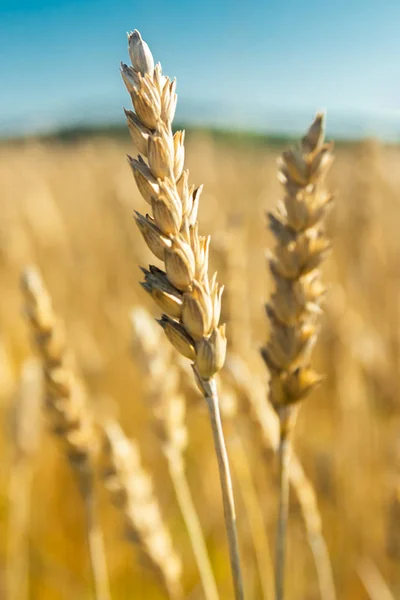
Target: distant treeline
120, 132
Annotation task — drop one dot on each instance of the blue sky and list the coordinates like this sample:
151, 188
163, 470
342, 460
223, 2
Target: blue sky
242, 63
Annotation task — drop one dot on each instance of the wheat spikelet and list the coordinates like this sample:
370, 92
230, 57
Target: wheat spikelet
162, 380
189, 299
26, 428
301, 246
131, 490
66, 401
67, 407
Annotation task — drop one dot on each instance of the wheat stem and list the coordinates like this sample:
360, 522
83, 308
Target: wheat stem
255, 517
211, 396
95, 539
307, 500
323, 566
18, 522
265, 427
169, 410
189, 514
280, 559
26, 421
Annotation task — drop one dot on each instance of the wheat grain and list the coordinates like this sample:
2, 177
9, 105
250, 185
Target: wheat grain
190, 300
68, 411
131, 490
301, 246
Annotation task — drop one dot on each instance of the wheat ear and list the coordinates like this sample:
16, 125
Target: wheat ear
168, 408
26, 428
301, 246
68, 411
131, 490
190, 300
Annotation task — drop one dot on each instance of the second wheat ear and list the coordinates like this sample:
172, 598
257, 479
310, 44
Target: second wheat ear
188, 297
294, 307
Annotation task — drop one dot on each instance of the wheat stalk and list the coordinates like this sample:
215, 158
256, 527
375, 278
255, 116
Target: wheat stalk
300, 248
250, 394
68, 412
254, 515
191, 301
168, 409
131, 490
373, 581
25, 433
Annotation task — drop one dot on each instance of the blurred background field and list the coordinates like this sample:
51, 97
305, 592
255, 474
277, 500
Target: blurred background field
250, 78
67, 207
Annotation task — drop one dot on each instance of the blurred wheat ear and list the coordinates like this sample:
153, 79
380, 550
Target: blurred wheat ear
188, 297
131, 490
164, 396
26, 429
293, 309
68, 411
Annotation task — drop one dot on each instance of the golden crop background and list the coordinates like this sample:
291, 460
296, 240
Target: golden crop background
68, 208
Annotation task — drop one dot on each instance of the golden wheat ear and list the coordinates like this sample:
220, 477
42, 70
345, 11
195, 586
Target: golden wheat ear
294, 307
68, 411
188, 297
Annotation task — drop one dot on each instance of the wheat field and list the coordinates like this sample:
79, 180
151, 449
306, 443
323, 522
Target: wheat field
68, 209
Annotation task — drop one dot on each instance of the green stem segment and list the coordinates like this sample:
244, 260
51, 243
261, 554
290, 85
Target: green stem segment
211, 395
